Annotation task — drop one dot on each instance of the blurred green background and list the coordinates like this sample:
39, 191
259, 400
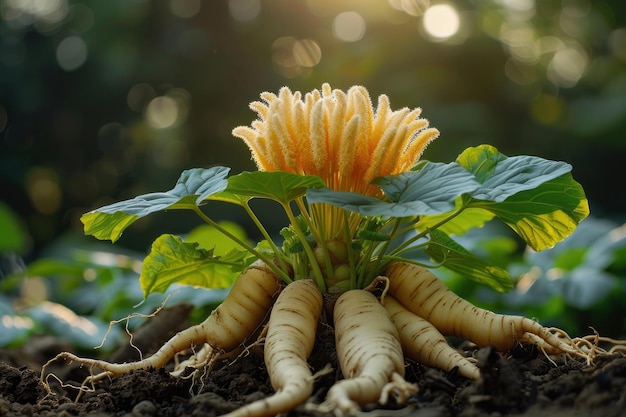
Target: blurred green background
105, 100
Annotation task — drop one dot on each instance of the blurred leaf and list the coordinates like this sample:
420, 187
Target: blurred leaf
570, 259
430, 190
192, 188
172, 261
445, 250
14, 329
81, 331
276, 185
608, 249
48, 267
585, 287
13, 236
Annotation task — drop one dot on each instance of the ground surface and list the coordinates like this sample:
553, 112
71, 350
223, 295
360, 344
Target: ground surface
521, 383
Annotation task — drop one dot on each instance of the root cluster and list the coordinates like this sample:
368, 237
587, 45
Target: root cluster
373, 337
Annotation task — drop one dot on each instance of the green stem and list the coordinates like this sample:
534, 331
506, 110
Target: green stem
269, 262
351, 261
318, 277
307, 218
381, 249
365, 259
261, 228
318, 236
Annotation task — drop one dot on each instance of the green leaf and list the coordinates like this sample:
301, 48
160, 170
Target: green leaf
172, 261
430, 190
544, 215
275, 185
501, 177
192, 188
455, 257
536, 197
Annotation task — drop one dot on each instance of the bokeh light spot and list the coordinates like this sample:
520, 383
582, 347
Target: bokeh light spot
412, 7
518, 5
349, 26
441, 21
293, 57
307, 53
185, 8
71, 53
244, 10
44, 190
45, 15
520, 41
162, 112
567, 66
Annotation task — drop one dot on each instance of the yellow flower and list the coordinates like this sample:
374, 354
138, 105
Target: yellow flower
340, 137
337, 136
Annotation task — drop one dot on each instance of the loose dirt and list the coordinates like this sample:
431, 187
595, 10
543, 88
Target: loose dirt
519, 383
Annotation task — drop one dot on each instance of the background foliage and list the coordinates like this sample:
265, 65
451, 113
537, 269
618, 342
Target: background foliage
103, 101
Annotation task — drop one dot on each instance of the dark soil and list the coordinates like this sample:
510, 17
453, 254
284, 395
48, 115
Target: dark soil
520, 383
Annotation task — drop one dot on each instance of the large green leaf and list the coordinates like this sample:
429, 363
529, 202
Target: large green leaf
536, 197
501, 177
192, 188
172, 261
455, 257
544, 215
275, 185
430, 190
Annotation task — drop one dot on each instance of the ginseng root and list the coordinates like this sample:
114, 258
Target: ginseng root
288, 344
228, 326
424, 344
369, 353
425, 295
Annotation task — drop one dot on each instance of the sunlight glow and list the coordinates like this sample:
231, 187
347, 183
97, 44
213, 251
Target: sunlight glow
441, 21
349, 26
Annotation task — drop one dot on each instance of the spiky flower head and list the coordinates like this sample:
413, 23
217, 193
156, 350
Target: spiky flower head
338, 136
